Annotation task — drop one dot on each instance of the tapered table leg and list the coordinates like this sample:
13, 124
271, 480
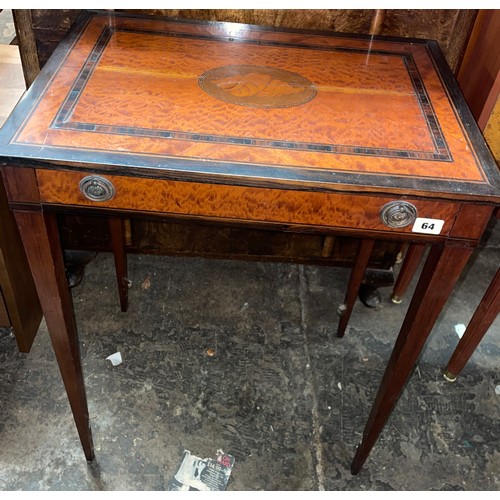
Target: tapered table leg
120, 256
40, 238
358, 271
485, 314
411, 261
439, 275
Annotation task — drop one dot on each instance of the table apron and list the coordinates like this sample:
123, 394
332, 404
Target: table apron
322, 210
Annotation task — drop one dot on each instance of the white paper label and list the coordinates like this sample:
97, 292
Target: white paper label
428, 226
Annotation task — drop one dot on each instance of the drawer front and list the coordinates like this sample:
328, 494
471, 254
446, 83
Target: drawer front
340, 210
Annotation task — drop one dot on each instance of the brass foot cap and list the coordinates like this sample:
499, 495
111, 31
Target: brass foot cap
395, 299
449, 376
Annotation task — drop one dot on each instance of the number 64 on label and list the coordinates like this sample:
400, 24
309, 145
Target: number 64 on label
428, 226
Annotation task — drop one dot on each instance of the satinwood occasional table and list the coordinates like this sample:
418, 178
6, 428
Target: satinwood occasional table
361, 136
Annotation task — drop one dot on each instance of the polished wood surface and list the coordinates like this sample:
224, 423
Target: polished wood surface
449, 27
471, 221
325, 140
238, 202
20, 184
158, 237
236, 124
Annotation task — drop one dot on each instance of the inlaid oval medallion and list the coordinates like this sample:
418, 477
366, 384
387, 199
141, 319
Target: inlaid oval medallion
257, 86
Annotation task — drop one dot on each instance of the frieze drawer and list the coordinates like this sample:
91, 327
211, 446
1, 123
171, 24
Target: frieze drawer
342, 210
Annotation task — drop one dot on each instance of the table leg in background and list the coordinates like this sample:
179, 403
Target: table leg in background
116, 227
357, 274
439, 275
411, 262
485, 314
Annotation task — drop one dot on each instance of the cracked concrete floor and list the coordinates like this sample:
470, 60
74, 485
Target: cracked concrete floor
281, 393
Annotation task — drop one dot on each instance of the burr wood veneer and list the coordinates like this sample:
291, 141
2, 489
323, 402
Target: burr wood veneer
339, 134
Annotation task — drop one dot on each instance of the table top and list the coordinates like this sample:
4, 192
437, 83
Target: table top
232, 103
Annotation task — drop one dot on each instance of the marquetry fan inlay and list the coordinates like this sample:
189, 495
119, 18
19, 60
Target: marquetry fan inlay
257, 86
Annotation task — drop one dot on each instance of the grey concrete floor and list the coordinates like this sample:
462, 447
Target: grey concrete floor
282, 394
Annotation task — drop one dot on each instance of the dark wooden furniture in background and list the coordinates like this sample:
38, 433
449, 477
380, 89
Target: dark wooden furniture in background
19, 305
264, 135
483, 318
479, 79
479, 75
451, 28
27, 43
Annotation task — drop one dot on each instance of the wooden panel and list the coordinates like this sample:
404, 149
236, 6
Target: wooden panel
16, 281
19, 306
4, 315
27, 44
237, 202
20, 184
217, 241
450, 27
472, 221
481, 64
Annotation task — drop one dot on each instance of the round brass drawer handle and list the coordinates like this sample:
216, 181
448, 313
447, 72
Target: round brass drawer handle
398, 214
96, 188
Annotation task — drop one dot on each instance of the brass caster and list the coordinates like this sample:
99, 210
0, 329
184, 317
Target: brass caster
395, 299
449, 376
